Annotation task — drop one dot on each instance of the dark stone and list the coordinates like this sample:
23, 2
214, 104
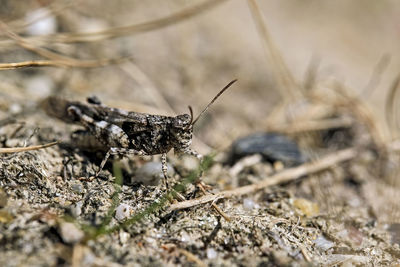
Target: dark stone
272, 146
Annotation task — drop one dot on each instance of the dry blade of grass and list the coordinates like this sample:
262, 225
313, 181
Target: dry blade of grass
57, 59
191, 257
392, 100
217, 209
27, 64
124, 30
56, 63
311, 125
5, 150
361, 111
376, 76
145, 82
283, 75
282, 177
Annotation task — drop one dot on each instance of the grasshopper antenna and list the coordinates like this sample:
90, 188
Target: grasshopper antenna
191, 114
212, 101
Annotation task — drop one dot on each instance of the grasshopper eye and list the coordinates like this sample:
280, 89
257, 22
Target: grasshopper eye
182, 121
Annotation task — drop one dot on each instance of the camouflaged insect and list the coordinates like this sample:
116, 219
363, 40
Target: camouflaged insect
123, 132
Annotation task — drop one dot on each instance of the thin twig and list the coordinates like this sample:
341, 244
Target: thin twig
221, 212
25, 64
4, 150
282, 177
191, 257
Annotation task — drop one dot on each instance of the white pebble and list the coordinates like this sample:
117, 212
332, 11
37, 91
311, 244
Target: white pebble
124, 237
211, 254
15, 108
122, 212
151, 173
70, 233
39, 85
248, 204
41, 22
185, 237
76, 209
322, 243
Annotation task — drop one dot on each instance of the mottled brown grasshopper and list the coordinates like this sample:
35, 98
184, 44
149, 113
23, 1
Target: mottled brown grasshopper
123, 132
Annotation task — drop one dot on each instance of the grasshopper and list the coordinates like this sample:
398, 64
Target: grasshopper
123, 132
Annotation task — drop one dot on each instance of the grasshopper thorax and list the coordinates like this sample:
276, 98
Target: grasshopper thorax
182, 130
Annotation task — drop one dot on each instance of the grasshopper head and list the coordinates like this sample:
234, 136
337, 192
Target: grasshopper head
182, 130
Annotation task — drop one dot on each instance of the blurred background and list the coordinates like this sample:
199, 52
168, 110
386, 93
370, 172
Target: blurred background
161, 56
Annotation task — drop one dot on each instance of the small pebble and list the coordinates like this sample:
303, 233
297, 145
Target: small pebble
77, 187
124, 237
88, 258
190, 163
323, 244
394, 230
122, 212
249, 204
306, 207
272, 146
70, 234
76, 209
5, 216
211, 254
151, 173
185, 237
39, 85
15, 108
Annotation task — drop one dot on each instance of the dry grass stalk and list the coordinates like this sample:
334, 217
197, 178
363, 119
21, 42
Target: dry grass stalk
26, 64
57, 59
4, 150
282, 177
147, 84
311, 126
218, 209
284, 77
191, 257
392, 100
361, 111
124, 30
